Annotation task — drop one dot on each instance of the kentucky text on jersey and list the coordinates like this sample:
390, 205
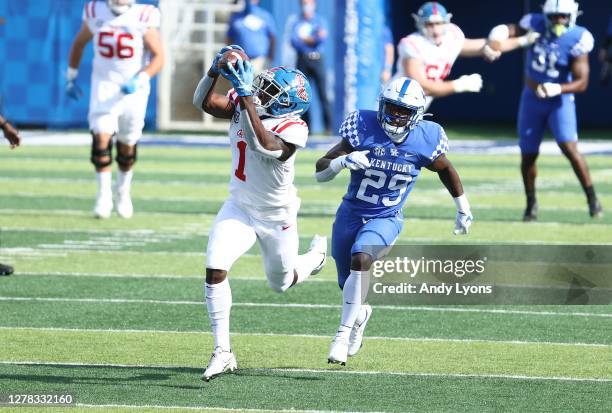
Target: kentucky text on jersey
382, 189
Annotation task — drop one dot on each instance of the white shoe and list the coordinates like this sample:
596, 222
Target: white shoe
220, 362
356, 338
104, 206
125, 209
319, 244
338, 351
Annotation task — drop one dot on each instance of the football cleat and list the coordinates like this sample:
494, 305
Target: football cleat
356, 338
125, 209
6, 269
338, 351
104, 206
221, 361
595, 209
319, 244
531, 212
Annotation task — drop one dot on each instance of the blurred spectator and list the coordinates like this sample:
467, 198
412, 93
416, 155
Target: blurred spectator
12, 135
308, 36
605, 55
253, 28
388, 54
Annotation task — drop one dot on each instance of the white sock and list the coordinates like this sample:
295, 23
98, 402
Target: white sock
124, 181
351, 303
306, 263
104, 183
361, 316
219, 303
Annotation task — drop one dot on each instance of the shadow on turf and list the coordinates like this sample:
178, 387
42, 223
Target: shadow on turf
141, 374
75, 375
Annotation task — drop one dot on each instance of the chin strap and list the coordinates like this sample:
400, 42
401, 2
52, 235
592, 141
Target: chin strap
251, 137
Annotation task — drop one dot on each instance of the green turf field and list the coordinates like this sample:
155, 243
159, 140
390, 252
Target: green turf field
111, 311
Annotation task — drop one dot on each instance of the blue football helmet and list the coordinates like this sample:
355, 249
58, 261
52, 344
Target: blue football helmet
281, 92
401, 105
567, 8
430, 12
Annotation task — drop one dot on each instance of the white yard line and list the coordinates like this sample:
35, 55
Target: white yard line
307, 306
312, 336
322, 371
205, 408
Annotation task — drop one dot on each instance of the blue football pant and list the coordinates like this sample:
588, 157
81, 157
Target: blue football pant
352, 234
535, 114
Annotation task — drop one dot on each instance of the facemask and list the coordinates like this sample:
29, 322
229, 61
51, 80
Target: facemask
558, 29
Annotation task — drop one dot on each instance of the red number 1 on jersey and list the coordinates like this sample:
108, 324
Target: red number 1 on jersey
239, 172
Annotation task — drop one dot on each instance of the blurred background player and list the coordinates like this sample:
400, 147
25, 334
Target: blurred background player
557, 66
605, 56
254, 30
308, 37
385, 152
388, 55
12, 135
428, 54
126, 37
265, 132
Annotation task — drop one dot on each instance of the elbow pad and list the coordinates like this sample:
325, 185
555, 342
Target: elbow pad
202, 91
251, 137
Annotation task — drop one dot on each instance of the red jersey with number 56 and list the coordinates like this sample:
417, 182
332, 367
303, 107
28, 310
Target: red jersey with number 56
119, 51
262, 185
438, 59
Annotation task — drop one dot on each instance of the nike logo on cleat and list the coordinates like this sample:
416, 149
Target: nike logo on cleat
285, 227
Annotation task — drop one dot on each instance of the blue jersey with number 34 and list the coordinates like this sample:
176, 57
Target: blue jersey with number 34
382, 189
550, 57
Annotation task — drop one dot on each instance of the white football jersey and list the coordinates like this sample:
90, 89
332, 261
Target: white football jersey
262, 185
438, 60
119, 51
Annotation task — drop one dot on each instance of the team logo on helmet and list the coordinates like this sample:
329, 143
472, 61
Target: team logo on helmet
301, 91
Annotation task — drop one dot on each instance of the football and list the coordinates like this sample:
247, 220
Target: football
231, 56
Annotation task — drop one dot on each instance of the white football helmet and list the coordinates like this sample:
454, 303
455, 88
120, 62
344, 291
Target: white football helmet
401, 105
119, 6
564, 7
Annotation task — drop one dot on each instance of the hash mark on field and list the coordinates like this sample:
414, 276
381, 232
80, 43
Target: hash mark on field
322, 371
313, 336
301, 305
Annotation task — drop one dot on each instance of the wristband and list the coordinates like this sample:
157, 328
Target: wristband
71, 73
462, 203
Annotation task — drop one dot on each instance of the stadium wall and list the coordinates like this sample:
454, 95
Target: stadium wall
34, 46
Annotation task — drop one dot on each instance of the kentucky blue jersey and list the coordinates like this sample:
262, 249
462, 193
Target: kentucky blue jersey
382, 189
550, 57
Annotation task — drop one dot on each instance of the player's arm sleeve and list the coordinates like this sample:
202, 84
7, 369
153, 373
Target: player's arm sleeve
458, 36
437, 145
350, 129
584, 46
153, 18
526, 22
293, 131
408, 48
89, 13
233, 97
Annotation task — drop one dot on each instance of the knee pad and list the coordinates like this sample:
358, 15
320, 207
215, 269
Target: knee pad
98, 154
125, 161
